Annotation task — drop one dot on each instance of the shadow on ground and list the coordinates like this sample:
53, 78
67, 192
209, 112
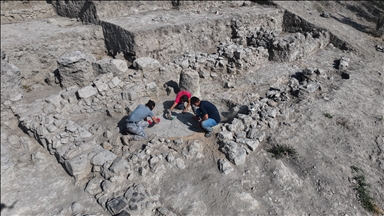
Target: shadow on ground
187, 119
122, 124
173, 85
350, 22
3, 206
166, 105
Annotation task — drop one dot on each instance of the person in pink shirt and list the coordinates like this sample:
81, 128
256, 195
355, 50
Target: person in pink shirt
181, 97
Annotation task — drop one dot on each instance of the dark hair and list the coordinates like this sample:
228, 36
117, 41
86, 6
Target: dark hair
194, 100
150, 104
184, 98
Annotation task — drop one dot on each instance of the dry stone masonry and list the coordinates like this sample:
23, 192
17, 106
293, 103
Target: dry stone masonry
104, 59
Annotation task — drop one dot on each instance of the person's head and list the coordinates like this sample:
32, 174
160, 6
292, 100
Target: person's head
195, 101
150, 104
184, 98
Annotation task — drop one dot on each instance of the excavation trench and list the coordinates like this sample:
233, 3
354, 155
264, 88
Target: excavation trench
239, 54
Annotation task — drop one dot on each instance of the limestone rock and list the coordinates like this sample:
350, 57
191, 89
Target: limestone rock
235, 154
116, 205
252, 144
146, 64
119, 164
224, 166
103, 157
10, 80
344, 63
180, 163
78, 166
189, 80
87, 91
114, 66
256, 134
225, 135
75, 68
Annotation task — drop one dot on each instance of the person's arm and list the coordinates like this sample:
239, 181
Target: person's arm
188, 105
204, 113
155, 120
173, 106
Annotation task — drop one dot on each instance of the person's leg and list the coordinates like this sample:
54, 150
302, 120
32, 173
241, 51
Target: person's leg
143, 123
180, 106
208, 124
137, 130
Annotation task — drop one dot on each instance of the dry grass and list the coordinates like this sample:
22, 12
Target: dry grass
362, 189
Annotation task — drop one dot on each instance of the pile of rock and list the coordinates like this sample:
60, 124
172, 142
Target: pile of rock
290, 47
103, 167
247, 131
263, 45
98, 158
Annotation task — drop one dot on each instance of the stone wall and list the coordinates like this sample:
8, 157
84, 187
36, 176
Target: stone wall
293, 23
165, 36
20, 11
34, 47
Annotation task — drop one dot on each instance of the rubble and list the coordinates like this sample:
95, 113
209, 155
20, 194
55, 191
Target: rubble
127, 177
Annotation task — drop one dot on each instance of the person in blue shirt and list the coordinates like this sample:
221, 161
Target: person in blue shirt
136, 123
208, 113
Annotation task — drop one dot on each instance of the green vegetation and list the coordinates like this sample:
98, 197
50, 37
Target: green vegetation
356, 169
362, 189
26, 88
328, 115
279, 151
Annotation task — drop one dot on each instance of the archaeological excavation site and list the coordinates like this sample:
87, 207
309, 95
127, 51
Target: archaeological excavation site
299, 86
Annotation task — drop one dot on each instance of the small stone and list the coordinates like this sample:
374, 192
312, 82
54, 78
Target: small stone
344, 63
76, 207
225, 135
107, 145
116, 205
325, 14
178, 142
180, 163
108, 134
224, 166
272, 103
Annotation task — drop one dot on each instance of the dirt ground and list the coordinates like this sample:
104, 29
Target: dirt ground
332, 131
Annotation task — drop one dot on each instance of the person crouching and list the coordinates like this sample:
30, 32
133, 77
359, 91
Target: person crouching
137, 121
208, 113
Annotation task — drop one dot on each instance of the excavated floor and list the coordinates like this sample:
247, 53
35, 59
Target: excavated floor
261, 184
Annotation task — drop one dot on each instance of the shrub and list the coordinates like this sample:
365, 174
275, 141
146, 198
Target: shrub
279, 151
362, 189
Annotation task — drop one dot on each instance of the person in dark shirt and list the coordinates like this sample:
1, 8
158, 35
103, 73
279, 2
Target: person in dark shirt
208, 113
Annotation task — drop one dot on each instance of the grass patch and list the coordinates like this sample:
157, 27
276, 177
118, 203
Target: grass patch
362, 189
27, 88
328, 115
279, 151
356, 169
